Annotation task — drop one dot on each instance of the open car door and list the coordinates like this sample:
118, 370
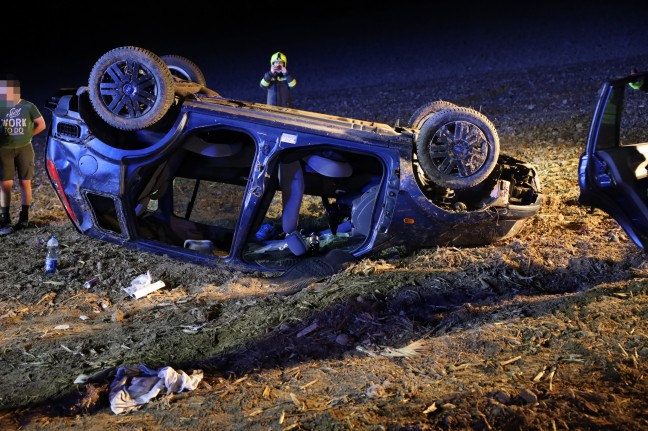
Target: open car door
613, 170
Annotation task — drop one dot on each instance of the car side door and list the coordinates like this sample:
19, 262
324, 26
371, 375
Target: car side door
613, 170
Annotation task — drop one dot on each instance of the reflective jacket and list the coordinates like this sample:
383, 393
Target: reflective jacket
278, 86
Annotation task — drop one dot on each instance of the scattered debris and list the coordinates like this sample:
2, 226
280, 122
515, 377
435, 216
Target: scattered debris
142, 285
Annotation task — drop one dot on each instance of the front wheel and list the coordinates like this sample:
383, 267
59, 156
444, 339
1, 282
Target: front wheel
131, 88
457, 147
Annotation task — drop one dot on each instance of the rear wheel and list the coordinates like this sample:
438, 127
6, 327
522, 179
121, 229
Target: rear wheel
131, 88
426, 110
457, 147
184, 68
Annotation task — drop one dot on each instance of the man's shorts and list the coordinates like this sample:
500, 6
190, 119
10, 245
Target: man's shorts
18, 159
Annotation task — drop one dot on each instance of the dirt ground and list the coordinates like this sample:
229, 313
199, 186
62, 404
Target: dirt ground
545, 331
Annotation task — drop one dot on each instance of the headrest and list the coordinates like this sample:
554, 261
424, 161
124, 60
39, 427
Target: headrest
211, 149
328, 167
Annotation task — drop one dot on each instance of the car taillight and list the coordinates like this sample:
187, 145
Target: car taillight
69, 130
53, 174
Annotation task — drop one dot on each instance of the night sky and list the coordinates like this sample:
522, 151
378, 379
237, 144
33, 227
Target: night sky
322, 40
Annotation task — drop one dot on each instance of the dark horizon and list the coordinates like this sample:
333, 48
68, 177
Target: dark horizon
233, 46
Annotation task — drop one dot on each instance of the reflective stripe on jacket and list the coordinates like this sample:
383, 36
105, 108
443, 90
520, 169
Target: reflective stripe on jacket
278, 87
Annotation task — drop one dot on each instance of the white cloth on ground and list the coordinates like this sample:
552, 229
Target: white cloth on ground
135, 386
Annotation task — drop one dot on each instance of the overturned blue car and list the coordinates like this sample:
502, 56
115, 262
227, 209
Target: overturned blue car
147, 156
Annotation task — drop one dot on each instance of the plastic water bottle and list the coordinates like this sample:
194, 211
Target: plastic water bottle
51, 260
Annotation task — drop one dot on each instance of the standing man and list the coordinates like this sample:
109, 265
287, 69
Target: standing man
20, 120
278, 82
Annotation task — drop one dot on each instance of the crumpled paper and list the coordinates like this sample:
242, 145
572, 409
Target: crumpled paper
135, 386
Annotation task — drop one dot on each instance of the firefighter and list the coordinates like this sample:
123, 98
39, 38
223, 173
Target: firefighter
278, 82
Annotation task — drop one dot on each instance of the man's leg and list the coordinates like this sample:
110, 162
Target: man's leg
25, 200
5, 202
25, 167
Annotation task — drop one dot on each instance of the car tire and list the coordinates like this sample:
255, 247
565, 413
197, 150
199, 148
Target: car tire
184, 68
426, 110
457, 147
131, 88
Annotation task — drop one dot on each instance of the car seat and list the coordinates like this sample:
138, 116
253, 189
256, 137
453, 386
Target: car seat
161, 178
291, 180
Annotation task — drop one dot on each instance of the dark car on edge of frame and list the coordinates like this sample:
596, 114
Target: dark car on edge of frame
148, 157
613, 169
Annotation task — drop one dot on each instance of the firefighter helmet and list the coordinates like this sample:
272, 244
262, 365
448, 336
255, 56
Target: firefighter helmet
278, 56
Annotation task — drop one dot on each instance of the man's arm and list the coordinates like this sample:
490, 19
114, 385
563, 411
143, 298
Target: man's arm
39, 125
266, 80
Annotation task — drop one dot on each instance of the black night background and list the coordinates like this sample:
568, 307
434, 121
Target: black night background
329, 45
